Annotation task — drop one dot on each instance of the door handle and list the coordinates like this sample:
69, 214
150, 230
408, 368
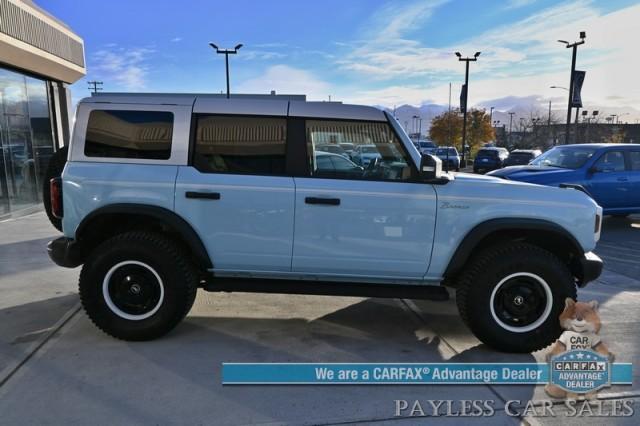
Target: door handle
319, 200
202, 195
623, 179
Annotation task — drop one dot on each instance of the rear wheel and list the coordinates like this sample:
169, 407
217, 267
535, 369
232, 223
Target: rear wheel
54, 170
511, 296
137, 286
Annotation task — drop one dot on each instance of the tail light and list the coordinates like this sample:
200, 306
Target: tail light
55, 190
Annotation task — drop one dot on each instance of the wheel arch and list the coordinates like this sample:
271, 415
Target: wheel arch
114, 219
539, 232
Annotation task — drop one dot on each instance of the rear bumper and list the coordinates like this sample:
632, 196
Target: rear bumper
64, 252
590, 268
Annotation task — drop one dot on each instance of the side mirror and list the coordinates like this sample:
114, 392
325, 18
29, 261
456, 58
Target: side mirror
430, 167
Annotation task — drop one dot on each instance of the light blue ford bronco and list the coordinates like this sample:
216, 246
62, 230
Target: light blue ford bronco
159, 195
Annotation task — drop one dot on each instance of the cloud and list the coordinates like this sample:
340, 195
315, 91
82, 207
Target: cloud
519, 59
261, 55
516, 4
120, 67
288, 80
176, 39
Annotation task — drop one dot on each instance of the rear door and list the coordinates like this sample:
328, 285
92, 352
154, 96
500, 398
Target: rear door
235, 192
377, 223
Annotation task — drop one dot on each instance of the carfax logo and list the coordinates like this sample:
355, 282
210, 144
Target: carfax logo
579, 362
580, 371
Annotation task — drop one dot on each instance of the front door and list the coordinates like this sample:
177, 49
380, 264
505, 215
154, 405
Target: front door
236, 194
372, 222
609, 181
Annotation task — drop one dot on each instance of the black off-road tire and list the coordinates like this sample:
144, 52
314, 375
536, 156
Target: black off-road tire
54, 169
483, 274
142, 250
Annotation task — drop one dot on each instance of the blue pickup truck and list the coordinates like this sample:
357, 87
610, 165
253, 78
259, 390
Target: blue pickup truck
610, 173
160, 195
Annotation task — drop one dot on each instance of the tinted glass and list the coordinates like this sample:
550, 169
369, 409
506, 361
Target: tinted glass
129, 134
242, 145
377, 155
566, 157
612, 161
490, 153
634, 158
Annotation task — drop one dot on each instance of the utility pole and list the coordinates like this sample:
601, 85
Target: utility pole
449, 119
93, 86
491, 115
574, 46
466, 97
226, 53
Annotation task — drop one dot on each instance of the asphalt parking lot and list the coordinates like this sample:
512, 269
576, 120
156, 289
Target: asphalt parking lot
56, 367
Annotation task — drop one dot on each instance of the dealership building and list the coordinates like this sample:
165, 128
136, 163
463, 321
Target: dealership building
39, 57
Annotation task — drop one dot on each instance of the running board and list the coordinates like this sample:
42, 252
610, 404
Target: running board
327, 288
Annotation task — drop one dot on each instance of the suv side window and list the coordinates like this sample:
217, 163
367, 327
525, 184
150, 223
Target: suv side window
634, 160
612, 161
377, 153
240, 145
129, 134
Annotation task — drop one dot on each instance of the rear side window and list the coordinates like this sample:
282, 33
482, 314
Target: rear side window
634, 157
129, 134
242, 145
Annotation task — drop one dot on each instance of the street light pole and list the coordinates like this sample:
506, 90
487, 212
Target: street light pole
226, 53
574, 46
466, 97
510, 122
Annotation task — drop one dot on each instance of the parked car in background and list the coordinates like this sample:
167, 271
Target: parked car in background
333, 149
426, 147
363, 154
336, 166
450, 158
490, 158
520, 157
348, 148
610, 173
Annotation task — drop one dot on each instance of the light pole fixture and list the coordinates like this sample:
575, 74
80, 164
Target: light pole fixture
465, 93
226, 53
573, 46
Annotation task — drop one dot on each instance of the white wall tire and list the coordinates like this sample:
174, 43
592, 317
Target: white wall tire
114, 307
540, 320
492, 279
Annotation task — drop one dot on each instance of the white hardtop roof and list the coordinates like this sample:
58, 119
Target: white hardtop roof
270, 105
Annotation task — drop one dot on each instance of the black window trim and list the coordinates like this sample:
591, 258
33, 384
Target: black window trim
194, 131
413, 178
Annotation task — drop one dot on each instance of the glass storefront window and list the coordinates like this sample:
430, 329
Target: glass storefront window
26, 140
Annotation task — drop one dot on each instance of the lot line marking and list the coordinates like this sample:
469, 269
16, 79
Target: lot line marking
11, 370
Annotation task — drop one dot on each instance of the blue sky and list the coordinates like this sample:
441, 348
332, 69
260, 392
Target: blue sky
363, 51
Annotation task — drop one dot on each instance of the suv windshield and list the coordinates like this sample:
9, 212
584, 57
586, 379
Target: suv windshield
572, 157
443, 151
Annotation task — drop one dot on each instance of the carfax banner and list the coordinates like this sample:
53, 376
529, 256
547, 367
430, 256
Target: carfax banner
576, 376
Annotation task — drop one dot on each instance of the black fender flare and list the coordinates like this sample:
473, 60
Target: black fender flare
161, 214
485, 229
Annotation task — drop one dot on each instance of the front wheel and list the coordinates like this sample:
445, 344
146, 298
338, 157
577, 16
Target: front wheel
137, 286
511, 296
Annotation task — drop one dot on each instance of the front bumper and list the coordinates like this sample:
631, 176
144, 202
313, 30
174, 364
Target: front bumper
65, 252
589, 268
